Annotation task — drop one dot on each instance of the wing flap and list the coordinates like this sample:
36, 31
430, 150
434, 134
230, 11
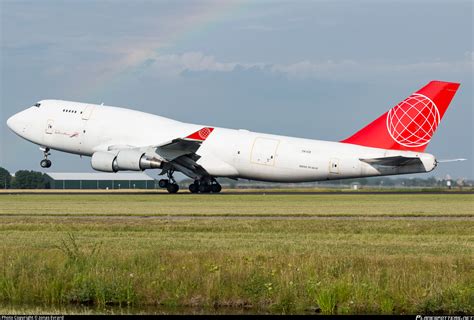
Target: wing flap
183, 146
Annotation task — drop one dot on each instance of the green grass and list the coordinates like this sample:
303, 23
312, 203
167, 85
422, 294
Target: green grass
222, 205
89, 264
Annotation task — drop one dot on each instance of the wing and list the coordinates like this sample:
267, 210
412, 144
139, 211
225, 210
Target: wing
180, 154
183, 146
395, 161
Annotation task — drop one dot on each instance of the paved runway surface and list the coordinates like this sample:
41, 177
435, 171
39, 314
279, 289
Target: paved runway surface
243, 217
224, 193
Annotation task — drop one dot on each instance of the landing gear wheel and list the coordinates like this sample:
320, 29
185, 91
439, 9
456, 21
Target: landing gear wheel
194, 188
204, 188
170, 183
163, 183
216, 188
45, 163
172, 188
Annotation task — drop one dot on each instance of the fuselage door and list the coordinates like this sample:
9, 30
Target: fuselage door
334, 166
49, 126
86, 113
84, 134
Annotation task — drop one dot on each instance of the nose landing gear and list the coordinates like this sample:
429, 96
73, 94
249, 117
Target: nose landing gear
45, 163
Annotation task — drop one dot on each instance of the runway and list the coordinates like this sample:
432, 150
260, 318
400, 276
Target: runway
224, 193
111, 218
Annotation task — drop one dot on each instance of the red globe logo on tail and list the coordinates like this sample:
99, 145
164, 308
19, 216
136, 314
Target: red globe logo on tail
412, 122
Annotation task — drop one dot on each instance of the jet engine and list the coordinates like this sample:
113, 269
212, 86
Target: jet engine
133, 160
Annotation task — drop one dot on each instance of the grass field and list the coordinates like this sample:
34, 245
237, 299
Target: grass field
241, 205
86, 253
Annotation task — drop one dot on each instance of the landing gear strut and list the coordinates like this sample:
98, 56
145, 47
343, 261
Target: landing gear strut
170, 183
205, 186
45, 163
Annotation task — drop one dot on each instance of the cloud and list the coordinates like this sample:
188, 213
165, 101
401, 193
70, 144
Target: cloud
309, 69
192, 61
175, 65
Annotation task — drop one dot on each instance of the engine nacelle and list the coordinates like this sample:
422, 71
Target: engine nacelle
129, 159
136, 160
133, 160
104, 161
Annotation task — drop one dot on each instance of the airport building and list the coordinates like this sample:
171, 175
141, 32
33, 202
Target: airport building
87, 180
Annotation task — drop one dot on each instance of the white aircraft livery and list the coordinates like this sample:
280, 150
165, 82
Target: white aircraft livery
122, 139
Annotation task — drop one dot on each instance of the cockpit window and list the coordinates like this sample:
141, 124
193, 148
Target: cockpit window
37, 104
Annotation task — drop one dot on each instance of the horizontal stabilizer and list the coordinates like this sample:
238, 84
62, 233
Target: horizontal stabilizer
395, 161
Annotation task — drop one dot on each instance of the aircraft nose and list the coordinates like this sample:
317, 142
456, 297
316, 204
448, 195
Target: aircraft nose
12, 123
18, 122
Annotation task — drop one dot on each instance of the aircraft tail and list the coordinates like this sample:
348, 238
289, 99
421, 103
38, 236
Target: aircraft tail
409, 125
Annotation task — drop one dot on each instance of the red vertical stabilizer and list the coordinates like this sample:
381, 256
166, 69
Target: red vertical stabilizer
410, 124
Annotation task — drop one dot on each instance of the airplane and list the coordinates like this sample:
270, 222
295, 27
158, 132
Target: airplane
119, 139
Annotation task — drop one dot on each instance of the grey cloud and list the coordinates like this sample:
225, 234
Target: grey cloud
175, 64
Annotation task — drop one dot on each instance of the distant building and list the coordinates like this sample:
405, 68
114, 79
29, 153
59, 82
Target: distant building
355, 185
87, 180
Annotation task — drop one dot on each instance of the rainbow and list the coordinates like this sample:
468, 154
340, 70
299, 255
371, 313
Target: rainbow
193, 24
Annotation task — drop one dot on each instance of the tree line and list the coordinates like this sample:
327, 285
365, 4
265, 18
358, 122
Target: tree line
23, 179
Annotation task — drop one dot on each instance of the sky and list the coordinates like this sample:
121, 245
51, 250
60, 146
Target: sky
311, 69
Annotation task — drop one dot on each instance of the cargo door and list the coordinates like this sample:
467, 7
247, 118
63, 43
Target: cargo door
264, 151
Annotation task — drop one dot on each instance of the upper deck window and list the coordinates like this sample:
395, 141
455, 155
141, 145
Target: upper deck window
37, 104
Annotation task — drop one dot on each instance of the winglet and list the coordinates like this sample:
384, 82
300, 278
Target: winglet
200, 135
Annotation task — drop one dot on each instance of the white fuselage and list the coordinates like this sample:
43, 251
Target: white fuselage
83, 129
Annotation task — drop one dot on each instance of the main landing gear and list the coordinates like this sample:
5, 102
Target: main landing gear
170, 184
45, 163
205, 186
